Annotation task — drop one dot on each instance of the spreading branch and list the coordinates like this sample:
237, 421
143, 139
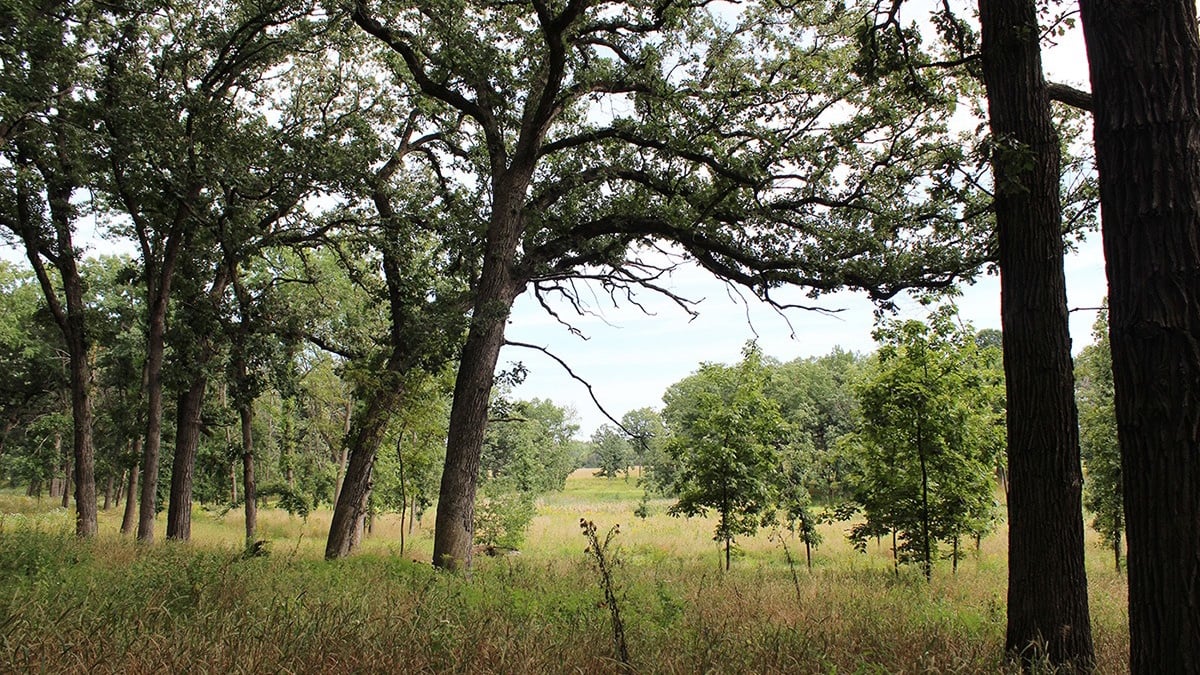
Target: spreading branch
577, 378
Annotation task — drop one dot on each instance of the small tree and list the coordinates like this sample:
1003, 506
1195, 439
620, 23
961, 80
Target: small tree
612, 451
929, 440
725, 431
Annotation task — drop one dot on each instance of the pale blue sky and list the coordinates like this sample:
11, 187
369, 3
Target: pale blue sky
630, 358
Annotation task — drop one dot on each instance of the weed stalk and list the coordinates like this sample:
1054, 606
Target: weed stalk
787, 554
598, 551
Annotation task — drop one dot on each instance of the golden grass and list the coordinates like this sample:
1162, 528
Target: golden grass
113, 606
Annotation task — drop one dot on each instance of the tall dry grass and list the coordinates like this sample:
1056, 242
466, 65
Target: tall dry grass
115, 606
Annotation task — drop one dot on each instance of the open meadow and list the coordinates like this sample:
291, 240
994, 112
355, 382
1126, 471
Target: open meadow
115, 606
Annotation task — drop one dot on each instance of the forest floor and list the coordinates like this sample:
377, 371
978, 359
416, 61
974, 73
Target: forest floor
115, 606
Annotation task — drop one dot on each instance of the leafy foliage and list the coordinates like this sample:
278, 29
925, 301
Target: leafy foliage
725, 439
1102, 491
930, 437
611, 451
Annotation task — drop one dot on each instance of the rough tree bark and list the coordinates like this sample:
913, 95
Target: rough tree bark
187, 418
57, 245
1144, 58
455, 526
183, 468
1047, 587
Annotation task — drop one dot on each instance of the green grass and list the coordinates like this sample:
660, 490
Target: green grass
114, 606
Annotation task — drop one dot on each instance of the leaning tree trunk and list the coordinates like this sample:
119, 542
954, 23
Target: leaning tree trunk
1047, 586
183, 469
1144, 58
454, 529
363, 441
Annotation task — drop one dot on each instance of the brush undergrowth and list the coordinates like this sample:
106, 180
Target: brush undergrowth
115, 606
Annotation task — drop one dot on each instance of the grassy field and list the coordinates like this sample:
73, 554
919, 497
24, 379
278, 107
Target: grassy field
114, 606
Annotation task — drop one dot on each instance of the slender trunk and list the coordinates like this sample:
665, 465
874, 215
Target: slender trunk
808, 553
403, 514
343, 453
954, 555
249, 489
120, 495
66, 471
183, 469
108, 492
1047, 588
127, 521
152, 446
366, 436
403, 488
895, 555
1144, 58
926, 544
360, 523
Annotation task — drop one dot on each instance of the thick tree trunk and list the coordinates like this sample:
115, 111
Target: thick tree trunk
249, 488
183, 469
455, 527
130, 516
365, 437
1047, 588
454, 530
1145, 68
187, 419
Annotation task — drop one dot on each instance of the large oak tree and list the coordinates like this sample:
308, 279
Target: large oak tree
47, 161
595, 132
